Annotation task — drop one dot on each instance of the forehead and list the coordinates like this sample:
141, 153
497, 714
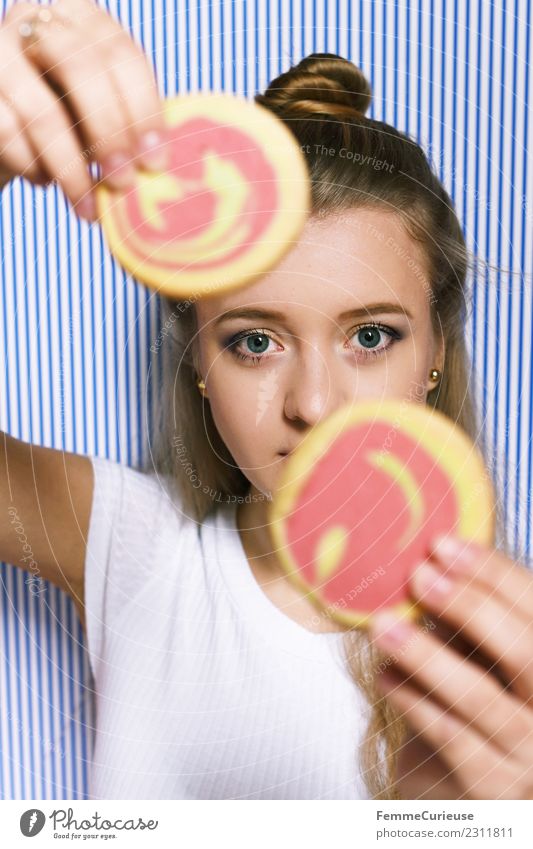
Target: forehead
341, 260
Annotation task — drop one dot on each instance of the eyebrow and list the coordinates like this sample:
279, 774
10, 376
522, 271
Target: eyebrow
361, 312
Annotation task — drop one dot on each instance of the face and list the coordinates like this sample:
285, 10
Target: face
345, 316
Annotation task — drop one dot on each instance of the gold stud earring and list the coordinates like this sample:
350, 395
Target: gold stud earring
434, 374
201, 385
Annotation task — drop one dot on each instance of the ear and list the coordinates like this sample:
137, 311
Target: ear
196, 358
439, 354
437, 360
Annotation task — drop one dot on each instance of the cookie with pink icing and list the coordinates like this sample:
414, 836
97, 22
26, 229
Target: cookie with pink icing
358, 503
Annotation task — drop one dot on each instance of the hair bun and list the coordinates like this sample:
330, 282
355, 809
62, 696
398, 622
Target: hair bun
321, 82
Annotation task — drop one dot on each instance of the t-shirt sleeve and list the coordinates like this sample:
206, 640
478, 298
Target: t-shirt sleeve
129, 510
107, 490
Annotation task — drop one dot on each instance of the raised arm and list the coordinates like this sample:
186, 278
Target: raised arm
78, 90
45, 507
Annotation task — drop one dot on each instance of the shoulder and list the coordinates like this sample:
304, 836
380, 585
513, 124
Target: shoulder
137, 528
137, 518
130, 495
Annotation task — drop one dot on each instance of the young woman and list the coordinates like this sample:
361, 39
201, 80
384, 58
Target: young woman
214, 677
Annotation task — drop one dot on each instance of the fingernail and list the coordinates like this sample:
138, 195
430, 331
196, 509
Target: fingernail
117, 169
152, 154
456, 553
429, 582
86, 207
388, 630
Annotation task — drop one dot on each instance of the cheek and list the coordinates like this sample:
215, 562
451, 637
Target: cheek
240, 419
247, 431
242, 398
414, 361
241, 403
403, 375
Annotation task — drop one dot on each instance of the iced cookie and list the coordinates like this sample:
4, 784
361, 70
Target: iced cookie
233, 201
357, 503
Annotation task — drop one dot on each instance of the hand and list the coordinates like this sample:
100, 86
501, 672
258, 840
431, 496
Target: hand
82, 91
478, 720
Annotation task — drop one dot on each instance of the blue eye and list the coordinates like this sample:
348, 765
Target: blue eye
369, 336
257, 342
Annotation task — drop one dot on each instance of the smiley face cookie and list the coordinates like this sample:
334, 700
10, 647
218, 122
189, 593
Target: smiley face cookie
358, 502
234, 199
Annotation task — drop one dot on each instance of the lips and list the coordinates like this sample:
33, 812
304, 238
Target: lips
287, 450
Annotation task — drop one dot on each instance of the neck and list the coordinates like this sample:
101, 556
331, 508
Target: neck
252, 524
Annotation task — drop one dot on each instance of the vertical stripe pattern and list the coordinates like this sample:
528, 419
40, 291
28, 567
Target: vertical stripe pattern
76, 330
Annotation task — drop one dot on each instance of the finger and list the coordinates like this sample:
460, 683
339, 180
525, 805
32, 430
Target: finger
490, 567
136, 86
454, 640
484, 618
81, 66
458, 683
137, 94
73, 65
47, 128
16, 154
476, 763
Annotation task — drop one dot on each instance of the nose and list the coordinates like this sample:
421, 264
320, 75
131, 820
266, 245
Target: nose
312, 392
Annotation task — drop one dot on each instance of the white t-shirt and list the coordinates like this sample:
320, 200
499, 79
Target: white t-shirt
205, 689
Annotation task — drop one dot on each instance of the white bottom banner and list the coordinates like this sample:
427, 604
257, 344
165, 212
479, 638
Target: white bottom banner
266, 824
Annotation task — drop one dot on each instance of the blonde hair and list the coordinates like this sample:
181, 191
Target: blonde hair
322, 100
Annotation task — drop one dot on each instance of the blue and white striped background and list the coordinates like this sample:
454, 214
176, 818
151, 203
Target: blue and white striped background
76, 331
